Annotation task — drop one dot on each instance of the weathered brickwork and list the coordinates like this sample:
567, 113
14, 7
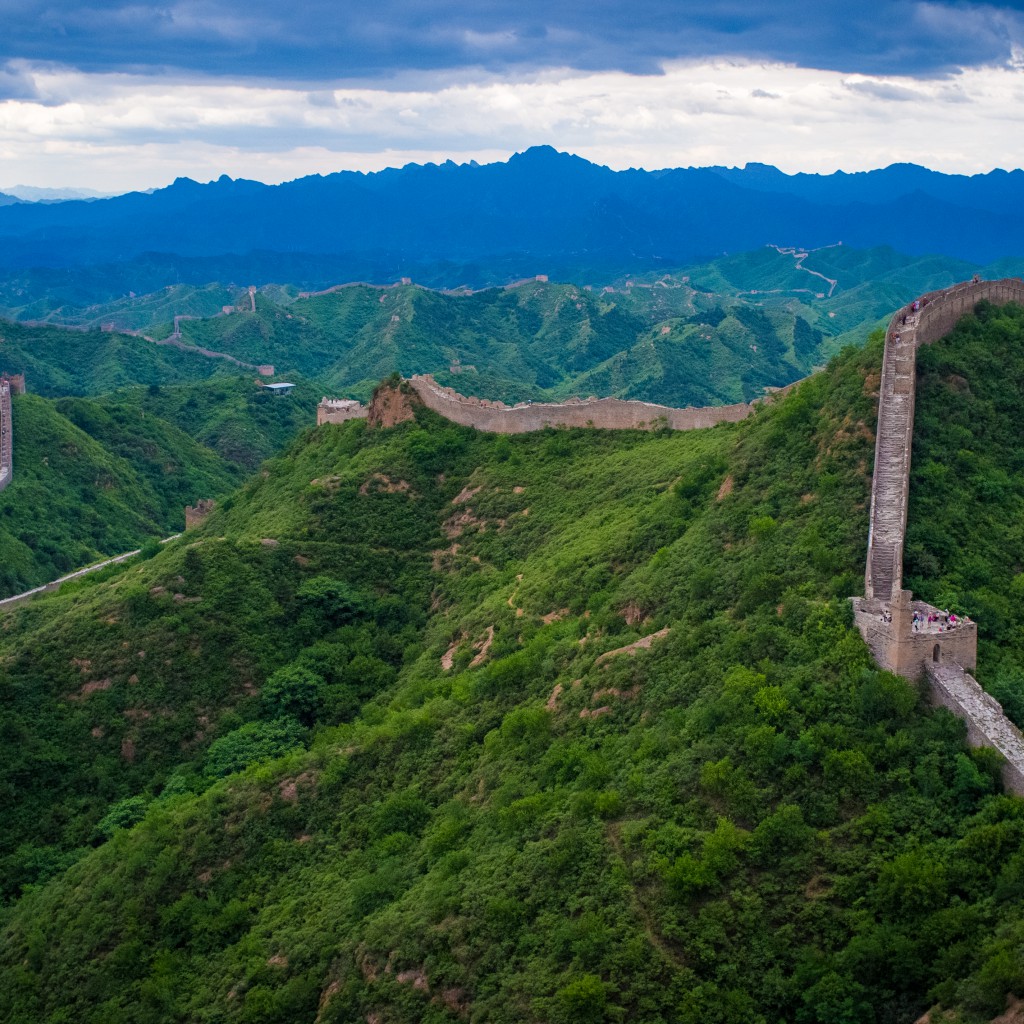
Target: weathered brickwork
195, 514
6, 434
10, 384
884, 615
604, 413
339, 410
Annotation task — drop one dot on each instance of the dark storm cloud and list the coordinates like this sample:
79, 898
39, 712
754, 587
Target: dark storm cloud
327, 39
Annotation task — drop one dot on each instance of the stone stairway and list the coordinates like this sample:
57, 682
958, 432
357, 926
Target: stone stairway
892, 467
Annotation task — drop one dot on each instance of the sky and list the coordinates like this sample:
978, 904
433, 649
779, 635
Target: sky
116, 95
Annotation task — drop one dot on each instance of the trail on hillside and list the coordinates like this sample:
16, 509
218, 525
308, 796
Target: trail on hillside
800, 255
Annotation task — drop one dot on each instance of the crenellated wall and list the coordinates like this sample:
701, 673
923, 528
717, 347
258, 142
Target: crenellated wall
604, 413
908, 329
8, 385
339, 410
885, 616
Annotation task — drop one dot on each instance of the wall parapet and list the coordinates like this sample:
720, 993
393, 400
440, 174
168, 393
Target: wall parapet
937, 313
987, 725
885, 616
8, 385
603, 413
339, 410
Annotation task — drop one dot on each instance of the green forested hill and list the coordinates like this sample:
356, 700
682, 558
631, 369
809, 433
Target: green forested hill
92, 480
379, 743
60, 361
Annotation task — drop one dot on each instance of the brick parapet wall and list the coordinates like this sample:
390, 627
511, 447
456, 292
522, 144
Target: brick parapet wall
339, 410
605, 413
6, 435
938, 314
987, 726
884, 616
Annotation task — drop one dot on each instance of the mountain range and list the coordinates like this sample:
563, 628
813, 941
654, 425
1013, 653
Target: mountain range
540, 212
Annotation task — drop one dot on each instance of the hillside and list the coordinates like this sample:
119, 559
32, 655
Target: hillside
539, 212
91, 480
428, 725
59, 361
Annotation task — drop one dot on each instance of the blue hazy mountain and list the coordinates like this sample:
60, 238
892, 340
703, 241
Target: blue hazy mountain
541, 211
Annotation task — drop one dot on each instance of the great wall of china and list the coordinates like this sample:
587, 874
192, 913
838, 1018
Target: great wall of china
885, 615
9, 385
602, 413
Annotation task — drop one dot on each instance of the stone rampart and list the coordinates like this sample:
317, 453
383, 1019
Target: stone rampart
604, 413
339, 410
987, 725
937, 314
885, 616
6, 434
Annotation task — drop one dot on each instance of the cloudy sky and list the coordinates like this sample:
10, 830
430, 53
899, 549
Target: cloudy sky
120, 94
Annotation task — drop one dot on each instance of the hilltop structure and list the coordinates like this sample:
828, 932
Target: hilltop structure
927, 642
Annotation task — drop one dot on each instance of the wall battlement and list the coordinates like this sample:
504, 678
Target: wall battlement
339, 410
14, 384
601, 413
884, 615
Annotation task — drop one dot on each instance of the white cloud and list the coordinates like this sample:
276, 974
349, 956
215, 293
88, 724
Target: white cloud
118, 131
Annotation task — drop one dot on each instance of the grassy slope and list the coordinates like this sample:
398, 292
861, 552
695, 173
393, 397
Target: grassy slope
93, 480
758, 828
59, 361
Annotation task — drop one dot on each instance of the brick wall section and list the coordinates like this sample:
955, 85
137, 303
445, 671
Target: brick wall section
987, 726
890, 484
6, 435
606, 413
339, 410
884, 615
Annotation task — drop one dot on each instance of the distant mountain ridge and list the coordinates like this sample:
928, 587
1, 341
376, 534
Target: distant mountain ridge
541, 211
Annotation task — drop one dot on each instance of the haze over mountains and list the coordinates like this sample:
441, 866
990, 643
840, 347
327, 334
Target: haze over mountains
540, 212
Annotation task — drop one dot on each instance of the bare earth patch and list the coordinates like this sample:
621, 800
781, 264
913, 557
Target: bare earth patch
725, 489
464, 495
458, 523
639, 645
595, 712
482, 646
378, 483
554, 616
448, 658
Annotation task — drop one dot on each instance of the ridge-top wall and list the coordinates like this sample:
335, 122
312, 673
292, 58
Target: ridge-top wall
605, 413
937, 315
6, 435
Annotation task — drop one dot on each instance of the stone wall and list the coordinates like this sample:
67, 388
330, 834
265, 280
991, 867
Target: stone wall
195, 514
898, 648
884, 616
339, 410
937, 315
6, 434
987, 726
605, 413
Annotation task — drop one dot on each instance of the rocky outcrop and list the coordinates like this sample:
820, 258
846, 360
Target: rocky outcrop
392, 403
